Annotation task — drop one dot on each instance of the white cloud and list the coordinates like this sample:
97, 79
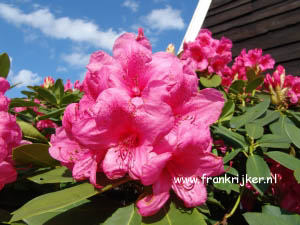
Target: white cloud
131, 4
25, 77
61, 69
165, 19
77, 30
76, 59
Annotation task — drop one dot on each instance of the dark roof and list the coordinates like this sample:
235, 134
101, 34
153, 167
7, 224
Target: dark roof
273, 25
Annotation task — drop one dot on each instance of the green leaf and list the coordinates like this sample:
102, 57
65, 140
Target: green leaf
59, 89
238, 86
4, 65
209, 82
236, 140
284, 159
54, 201
231, 170
293, 133
272, 215
31, 132
46, 94
274, 141
203, 209
33, 154
175, 216
278, 212
252, 85
251, 74
228, 187
257, 168
297, 175
267, 118
127, 215
278, 127
57, 175
18, 102
264, 219
251, 114
86, 212
227, 112
69, 98
54, 113
254, 130
231, 155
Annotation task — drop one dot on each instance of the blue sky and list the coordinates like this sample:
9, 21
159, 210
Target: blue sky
56, 37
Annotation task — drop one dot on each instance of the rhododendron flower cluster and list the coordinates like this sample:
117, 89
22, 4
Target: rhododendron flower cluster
142, 116
207, 54
284, 88
10, 137
253, 59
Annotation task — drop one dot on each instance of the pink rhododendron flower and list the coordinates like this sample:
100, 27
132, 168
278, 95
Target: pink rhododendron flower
10, 137
42, 124
68, 85
253, 59
48, 82
189, 156
138, 110
207, 54
4, 85
78, 85
283, 87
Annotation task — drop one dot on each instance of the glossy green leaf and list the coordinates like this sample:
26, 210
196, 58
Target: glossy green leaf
297, 174
254, 130
235, 139
54, 201
54, 113
209, 82
4, 65
238, 86
59, 89
46, 94
267, 118
251, 114
33, 154
31, 132
175, 216
228, 187
274, 141
57, 175
227, 112
278, 127
127, 215
293, 133
251, 74
86, 212
284, 159
69, 98
231, 170
257, 168
272, 215
255, 83
231, 155
18, 102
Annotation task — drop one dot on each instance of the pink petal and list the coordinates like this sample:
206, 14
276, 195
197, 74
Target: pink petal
4, 85
191, 196
114, 166
155, 166
8, 173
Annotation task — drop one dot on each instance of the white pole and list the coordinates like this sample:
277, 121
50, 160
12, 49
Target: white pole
196, 22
